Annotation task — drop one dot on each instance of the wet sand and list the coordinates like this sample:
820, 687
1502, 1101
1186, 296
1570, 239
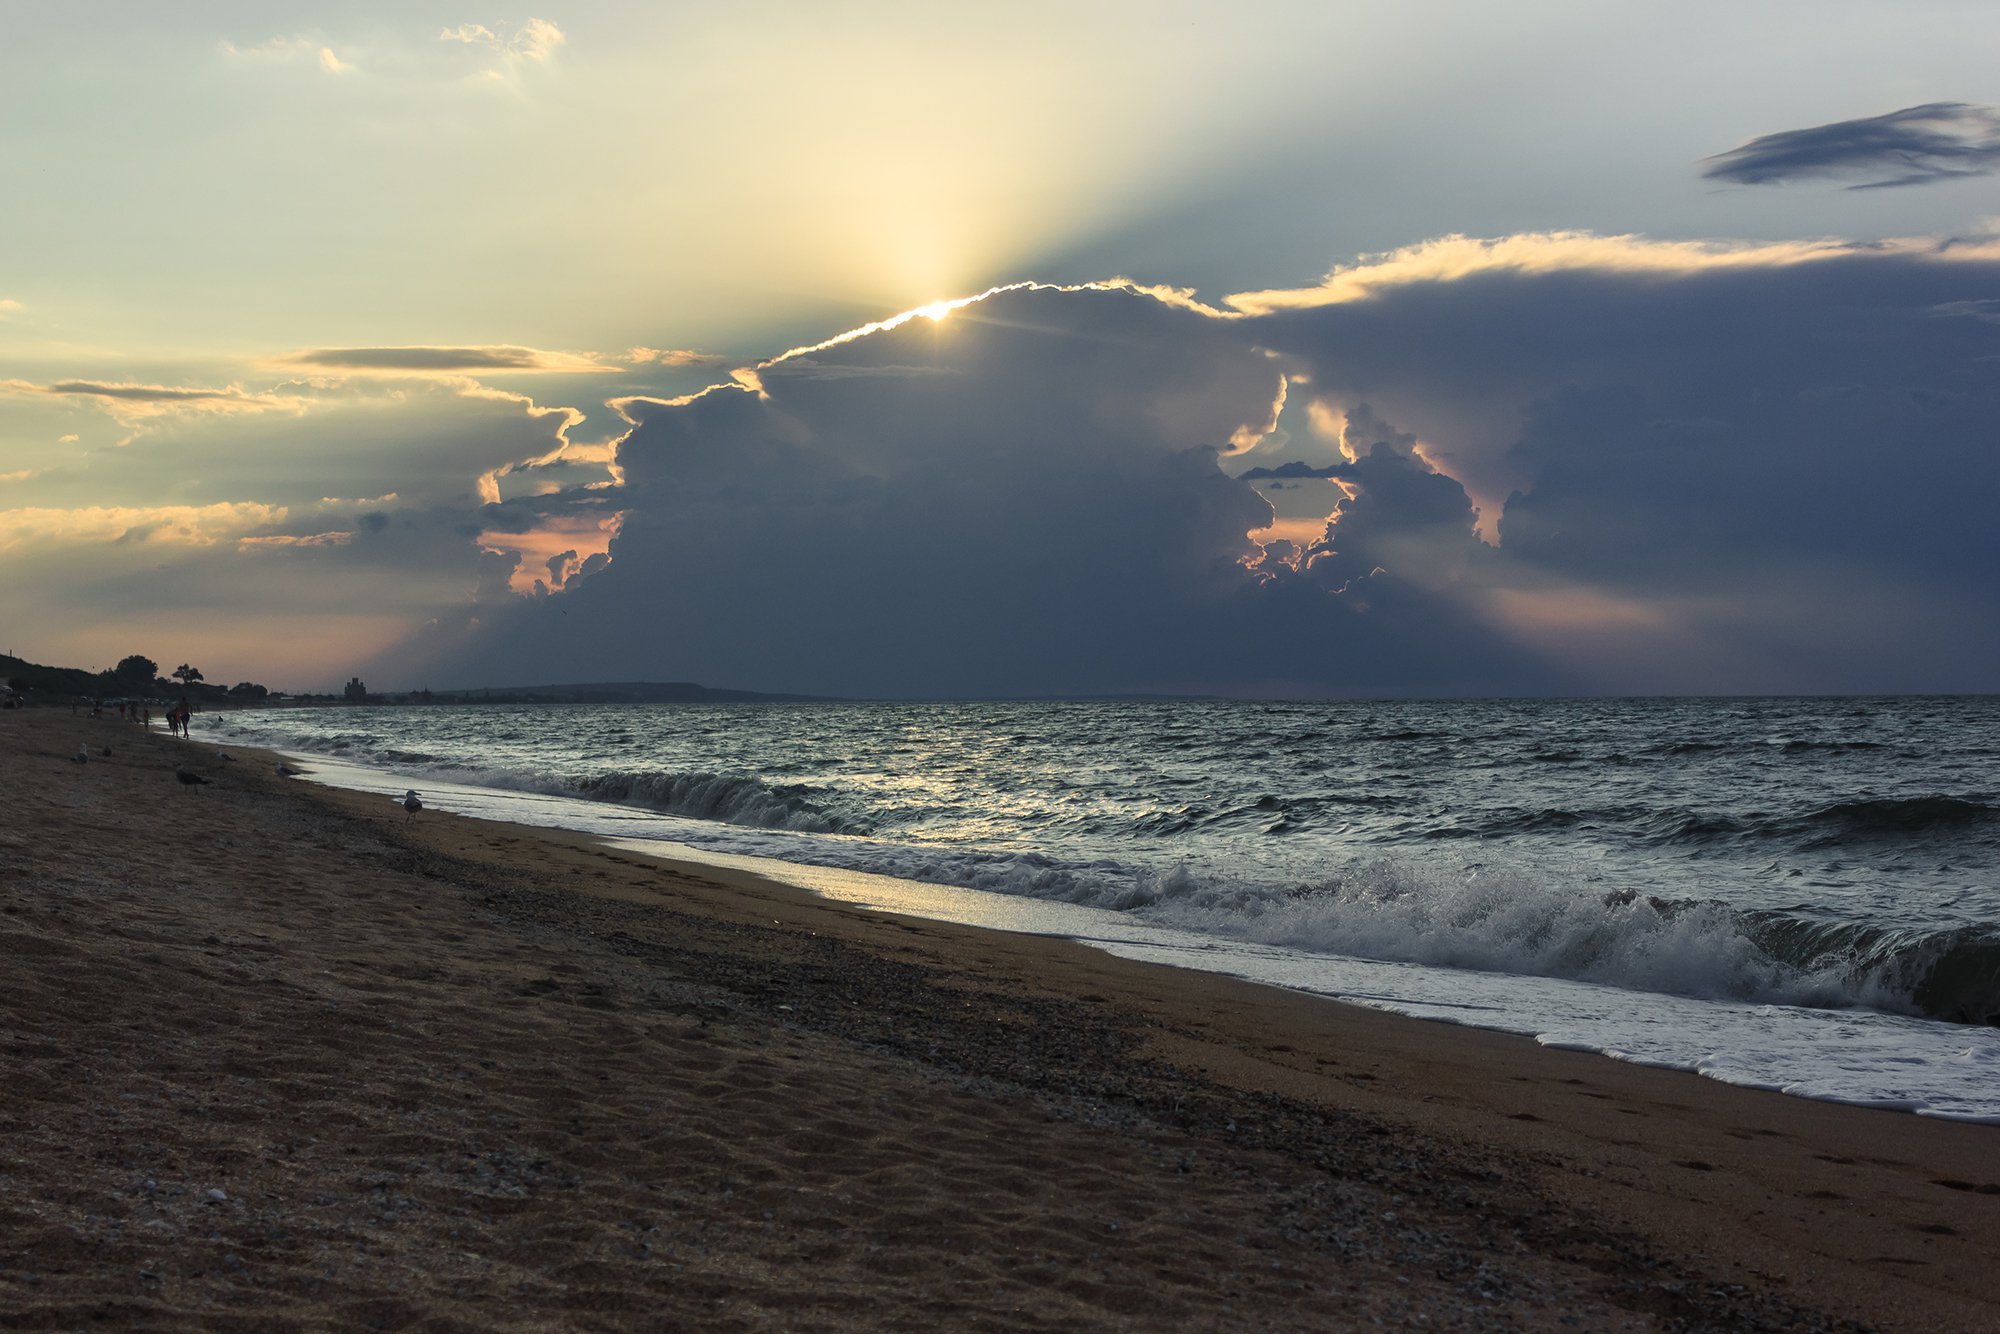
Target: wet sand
275, 1056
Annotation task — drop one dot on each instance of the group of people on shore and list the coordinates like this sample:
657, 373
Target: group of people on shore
178, 715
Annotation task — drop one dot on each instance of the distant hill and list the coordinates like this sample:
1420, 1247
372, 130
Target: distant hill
67, 681
620, 692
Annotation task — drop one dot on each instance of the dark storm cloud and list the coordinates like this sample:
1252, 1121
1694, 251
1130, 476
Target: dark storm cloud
1784, 468
1707, 468
1915, 146
1024, 498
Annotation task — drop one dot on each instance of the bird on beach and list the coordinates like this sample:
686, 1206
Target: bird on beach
82, 755
188, 777
284, 770
411, 804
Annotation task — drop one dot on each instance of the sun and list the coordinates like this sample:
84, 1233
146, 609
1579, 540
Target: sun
937, 310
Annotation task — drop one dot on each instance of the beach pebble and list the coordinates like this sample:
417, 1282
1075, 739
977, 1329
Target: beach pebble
218, 1194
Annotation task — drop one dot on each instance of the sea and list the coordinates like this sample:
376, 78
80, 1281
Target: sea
1791, 894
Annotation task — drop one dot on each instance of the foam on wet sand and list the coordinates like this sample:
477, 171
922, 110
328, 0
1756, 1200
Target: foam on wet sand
275, 1056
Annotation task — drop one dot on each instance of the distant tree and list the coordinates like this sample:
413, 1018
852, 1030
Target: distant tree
356, 692
187, 675
248, 690
136, 670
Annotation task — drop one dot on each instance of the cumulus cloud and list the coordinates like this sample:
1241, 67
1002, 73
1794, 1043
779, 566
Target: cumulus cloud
1914, 146
444, 360
1565, 462
1774, 463
1020, 494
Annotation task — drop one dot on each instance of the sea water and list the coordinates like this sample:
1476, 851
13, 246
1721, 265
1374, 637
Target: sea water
1799, 894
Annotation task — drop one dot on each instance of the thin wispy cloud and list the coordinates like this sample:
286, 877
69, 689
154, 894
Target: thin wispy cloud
8, 307
1450, 259
1937, 141
293, 49
133, 405
431, 360
184, 525
510, 49
672, 357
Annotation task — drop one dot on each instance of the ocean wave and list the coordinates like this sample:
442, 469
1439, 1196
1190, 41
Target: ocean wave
1892, 817
1511, 922
736, 799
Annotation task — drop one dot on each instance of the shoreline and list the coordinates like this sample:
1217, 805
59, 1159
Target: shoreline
947, 1125
1865, 1055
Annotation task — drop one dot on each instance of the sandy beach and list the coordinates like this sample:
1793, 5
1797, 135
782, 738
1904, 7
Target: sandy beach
275, 1056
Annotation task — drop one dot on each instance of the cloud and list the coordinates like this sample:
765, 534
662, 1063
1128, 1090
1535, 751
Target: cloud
335, 538
1782, 463
188, 525
288, 50
1565, 462
137, 405
512, 51
8, 306
445, 360
537, 39
1020, 496
1914, 146
1452, 259
644, 356
277, 539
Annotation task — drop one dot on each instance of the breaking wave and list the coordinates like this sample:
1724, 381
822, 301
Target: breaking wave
731, 798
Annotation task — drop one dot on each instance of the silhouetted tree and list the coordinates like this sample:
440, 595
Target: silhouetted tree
187, 675
248, 690
136, 670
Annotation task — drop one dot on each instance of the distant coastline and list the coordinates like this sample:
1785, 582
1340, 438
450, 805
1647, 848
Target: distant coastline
28, 682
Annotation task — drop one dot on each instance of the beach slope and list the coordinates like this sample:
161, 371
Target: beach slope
277, 1056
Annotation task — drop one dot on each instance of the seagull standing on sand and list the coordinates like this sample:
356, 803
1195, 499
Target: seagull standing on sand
82, 755
411, 804
188, 777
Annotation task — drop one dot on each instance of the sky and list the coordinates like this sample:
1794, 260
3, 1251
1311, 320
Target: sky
1269, 349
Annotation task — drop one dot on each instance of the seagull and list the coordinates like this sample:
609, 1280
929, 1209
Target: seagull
82, 755
188, 777
284, 770
411, 804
